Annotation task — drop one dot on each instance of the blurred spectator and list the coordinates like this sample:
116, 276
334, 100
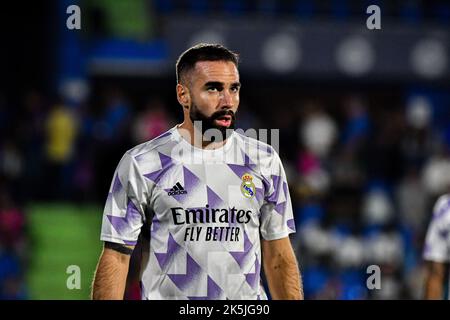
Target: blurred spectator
12, 222
412, 200
112, 125
318, 132
112, 135
12, 249
61, 131
11, 162
436, 175
11, 278
152, 122
377, 208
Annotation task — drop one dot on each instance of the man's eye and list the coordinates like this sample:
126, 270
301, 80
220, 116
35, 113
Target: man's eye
212, 89
235, 89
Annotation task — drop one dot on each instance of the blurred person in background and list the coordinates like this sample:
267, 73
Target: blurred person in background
152, 122
61, 131
436, 252
32, 135
228, 265
318, 132
13, 252
111, 132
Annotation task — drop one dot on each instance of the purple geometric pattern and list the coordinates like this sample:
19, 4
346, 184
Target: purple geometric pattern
264, 147
248, 166
120, 224
291, 224
156, 224
266, 184
279, 208
240, 256
141, 286
259, 194
193, 271
275, 195
214, 200
191, 183
130, 243
166, 164
213, 291
253, 278
117, 185
172, 248
109, 198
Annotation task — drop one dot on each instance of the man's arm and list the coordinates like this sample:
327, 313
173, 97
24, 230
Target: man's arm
281, 269
434, 280
111, 274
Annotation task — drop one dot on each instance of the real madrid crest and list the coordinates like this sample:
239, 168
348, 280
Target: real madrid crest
247, 186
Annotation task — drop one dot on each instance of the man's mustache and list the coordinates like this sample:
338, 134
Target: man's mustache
223, 113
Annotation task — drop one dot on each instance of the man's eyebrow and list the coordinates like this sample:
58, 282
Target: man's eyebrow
214, 84
220, 84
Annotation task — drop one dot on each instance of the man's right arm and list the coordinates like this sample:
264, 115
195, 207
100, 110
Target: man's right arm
123, 218
434, 280
111, 274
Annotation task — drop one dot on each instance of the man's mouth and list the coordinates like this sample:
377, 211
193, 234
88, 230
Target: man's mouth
224, 121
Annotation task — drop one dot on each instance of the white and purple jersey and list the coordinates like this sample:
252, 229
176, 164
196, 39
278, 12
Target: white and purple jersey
199, 214
437, 241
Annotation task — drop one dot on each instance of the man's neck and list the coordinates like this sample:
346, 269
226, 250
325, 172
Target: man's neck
192, 135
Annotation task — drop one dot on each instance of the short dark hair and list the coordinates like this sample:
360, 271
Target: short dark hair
203, 52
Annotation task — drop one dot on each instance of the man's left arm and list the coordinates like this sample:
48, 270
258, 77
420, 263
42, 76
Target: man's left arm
281, 269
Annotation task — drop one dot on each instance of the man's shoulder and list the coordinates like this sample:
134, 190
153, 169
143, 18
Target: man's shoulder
442, 207
151, 147
255, 146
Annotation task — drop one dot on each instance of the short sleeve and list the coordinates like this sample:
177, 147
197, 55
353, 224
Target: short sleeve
123, 215
437, 246
277, 219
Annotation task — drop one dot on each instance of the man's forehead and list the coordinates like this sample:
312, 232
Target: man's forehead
222, 71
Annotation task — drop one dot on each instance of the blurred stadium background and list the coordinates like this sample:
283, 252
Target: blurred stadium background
364, 117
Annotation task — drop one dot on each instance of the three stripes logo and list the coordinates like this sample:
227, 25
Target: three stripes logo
177, 190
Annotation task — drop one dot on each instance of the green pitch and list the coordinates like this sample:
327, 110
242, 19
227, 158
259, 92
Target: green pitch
61, 236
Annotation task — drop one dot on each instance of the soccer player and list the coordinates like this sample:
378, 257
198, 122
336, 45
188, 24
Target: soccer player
437, 249
209, 205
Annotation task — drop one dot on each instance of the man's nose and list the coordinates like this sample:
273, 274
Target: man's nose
226, 102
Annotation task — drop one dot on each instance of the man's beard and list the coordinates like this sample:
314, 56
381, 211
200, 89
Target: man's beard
208, 122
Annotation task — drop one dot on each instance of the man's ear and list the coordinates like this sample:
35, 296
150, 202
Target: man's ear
183, 96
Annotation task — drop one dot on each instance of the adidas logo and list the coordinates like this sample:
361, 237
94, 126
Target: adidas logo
176, 190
